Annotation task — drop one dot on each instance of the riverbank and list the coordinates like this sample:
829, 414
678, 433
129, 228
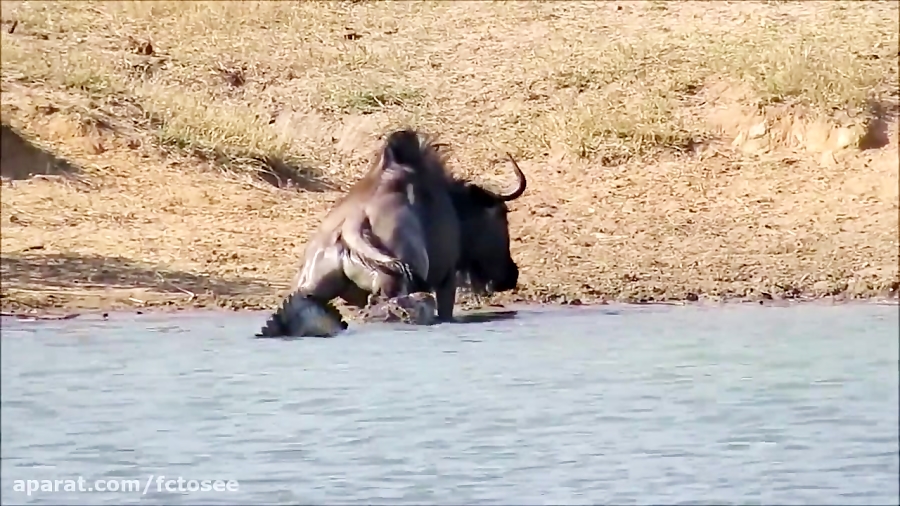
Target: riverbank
163, 155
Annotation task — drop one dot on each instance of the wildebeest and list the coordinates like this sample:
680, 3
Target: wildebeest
407, 226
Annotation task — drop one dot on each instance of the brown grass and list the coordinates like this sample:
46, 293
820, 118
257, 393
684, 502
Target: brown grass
672, 148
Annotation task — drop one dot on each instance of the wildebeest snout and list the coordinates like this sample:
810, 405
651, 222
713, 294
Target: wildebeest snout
509, 280
501, 278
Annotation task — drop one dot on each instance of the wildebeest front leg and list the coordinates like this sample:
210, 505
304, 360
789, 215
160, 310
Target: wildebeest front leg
445, 294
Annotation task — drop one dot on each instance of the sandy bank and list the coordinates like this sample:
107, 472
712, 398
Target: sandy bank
157, 155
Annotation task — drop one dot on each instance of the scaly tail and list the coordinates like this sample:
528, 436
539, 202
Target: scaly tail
302, 315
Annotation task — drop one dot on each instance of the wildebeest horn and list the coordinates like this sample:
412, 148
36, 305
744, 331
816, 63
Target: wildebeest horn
522, 183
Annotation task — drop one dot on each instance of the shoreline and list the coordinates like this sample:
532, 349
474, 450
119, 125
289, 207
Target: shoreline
466, 303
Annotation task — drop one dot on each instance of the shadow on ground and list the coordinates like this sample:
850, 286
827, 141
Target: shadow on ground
20, 159
877, 134
73, 273
282, 174
273, 170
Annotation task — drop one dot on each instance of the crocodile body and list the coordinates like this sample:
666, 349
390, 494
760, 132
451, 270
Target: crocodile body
419, 308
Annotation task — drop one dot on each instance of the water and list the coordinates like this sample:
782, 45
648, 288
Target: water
649, 405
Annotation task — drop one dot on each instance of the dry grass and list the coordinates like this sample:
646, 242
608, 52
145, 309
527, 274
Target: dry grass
589, 79
673, 148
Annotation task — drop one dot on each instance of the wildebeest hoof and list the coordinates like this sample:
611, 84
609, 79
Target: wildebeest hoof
415, 309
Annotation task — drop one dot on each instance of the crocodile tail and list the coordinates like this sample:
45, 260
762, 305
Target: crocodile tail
275, 324
332, 312
300, 313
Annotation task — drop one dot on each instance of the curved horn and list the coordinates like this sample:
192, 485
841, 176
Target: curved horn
522, 182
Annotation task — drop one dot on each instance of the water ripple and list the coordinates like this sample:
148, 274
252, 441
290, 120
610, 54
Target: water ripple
735, 405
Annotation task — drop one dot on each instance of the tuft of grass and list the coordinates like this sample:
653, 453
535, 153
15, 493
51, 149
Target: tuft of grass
77, 70
368, 101
808, 66
233, 129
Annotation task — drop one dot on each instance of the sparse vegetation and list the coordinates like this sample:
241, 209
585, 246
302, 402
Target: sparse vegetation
586, 79
634, 119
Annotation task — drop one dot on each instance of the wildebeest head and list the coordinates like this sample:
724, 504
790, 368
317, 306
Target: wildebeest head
486, 260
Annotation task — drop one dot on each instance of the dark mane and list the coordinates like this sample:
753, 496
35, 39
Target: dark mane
425, 155
417, 151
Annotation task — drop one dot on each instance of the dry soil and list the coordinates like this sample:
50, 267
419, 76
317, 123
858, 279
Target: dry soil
179, 154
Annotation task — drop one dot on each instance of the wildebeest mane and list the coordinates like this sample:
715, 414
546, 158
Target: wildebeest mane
416, 151
426, 156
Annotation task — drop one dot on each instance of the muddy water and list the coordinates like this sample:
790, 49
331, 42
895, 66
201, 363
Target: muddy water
741, 404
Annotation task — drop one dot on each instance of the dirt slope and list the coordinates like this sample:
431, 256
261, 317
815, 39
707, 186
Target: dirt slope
166, 153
